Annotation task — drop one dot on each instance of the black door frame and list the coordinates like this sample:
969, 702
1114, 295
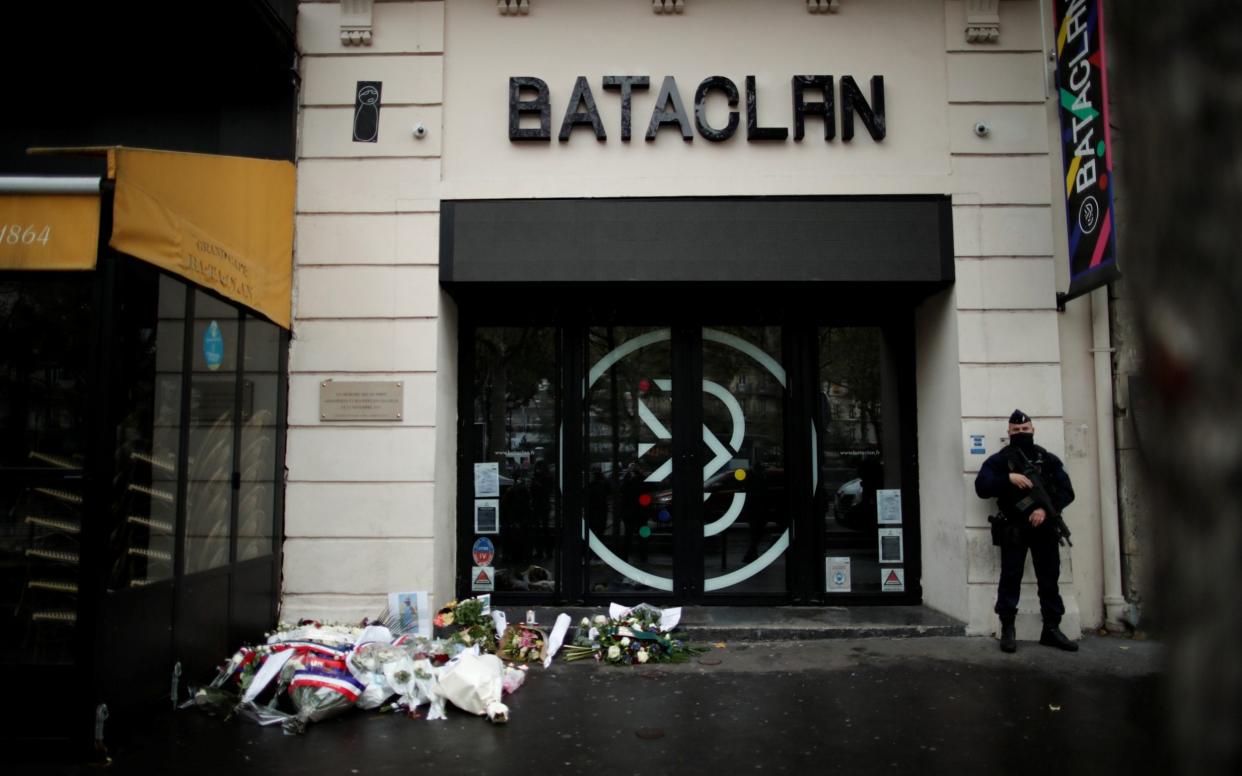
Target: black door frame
799, 310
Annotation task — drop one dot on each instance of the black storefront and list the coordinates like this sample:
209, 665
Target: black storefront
141, 415
140, 486
583, 476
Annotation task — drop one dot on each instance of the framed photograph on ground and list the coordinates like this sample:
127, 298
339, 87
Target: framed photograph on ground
411, 613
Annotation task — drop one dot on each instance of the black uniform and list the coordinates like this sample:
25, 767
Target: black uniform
1016, 504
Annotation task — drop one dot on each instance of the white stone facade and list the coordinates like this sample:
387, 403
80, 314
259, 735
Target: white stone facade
364, 513
370, 508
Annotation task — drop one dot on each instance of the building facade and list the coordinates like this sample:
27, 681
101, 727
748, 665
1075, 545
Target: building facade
844, 219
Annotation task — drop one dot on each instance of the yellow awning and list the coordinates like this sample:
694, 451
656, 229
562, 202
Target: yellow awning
222, 222
48, 231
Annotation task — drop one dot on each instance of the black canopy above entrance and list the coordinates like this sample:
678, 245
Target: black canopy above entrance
790, 239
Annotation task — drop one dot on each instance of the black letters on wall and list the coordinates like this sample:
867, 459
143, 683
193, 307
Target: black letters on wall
660, 116
825, 109
541, 105
700, 108
626, 83
573, 117
852, 100
670, 110
753, 130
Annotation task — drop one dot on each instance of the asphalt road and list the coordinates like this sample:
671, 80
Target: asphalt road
920, 705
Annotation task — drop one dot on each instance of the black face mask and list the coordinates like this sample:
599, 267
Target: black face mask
1023, 442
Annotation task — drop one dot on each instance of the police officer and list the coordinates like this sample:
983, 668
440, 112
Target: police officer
1027, 526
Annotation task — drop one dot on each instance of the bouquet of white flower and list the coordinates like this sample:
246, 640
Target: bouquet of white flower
643, 634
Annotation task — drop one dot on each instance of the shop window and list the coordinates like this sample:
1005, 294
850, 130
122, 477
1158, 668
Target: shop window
258, 482
213, 410
149, 348
45, 324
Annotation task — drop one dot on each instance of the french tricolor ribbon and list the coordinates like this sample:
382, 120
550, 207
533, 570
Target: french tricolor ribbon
343, 684
311, 646
326, 664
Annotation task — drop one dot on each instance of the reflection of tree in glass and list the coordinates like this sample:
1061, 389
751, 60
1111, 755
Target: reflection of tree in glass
511, 363
849, 358
757, 390
620, 381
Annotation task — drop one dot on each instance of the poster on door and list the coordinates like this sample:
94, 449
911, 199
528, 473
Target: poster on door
837, 575
888, 506
891, 550
892, 580
483, 578
487, 516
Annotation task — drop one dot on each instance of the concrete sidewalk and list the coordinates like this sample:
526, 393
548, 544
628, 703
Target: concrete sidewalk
926, 705
783, 623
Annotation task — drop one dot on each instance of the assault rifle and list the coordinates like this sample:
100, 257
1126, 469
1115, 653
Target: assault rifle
1039, 494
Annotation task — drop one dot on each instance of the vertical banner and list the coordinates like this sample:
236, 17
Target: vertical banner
1086, 150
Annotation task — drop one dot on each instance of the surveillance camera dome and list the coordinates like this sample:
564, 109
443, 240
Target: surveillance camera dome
420, 130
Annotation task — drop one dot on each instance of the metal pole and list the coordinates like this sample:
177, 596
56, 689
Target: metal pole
1110, 538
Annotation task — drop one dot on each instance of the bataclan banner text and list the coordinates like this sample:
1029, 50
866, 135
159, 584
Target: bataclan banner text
1082, 94
812, 97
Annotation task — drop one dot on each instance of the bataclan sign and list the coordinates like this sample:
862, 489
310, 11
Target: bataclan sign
529, 96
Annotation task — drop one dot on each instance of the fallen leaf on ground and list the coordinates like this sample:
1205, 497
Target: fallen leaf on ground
719, 645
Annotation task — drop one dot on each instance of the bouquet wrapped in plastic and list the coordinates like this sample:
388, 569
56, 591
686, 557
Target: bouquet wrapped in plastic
320, 689
475, 683
523, 642
311, 672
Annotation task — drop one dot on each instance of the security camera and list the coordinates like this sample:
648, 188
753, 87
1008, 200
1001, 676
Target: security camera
420, 131
982, 128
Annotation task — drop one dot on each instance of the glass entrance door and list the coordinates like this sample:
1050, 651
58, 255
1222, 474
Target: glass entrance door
745, 518
723, 528
748, 487
629, 454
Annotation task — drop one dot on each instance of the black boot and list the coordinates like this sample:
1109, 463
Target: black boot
1053, 637
1008, 639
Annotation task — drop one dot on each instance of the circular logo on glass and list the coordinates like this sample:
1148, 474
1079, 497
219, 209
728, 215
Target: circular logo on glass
722, 451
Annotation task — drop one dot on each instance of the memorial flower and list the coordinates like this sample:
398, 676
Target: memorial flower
472, 622
522, 642
632, 636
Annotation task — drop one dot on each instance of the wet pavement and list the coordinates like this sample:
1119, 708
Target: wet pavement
782, 623
880, 705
